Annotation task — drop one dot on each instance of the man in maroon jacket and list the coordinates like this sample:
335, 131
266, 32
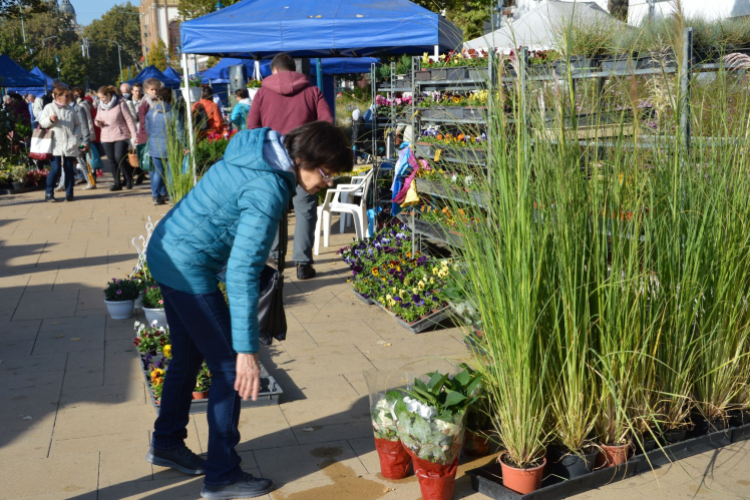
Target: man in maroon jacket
288, 100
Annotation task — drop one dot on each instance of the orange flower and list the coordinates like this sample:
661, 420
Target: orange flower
439, 137
460, 137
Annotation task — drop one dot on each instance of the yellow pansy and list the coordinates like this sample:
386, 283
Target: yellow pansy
167, 350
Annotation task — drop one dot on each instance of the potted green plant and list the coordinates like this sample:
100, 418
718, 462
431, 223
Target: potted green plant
153, 306
18, 176
119, 296
202, 383
192, 89
394, 460
430, 417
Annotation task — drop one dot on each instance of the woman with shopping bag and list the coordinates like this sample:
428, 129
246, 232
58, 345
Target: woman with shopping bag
67, 140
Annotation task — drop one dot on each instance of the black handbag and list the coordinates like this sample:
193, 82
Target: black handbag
271, 314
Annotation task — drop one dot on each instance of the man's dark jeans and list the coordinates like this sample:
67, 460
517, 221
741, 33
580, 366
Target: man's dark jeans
200, 327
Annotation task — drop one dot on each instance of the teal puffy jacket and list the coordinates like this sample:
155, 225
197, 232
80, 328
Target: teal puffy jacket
230, 218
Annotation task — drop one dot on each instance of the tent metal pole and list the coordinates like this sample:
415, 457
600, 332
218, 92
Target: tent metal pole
437, 53
319, 71
189, 106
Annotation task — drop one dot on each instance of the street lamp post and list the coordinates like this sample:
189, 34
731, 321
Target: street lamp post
119, 57
57, 63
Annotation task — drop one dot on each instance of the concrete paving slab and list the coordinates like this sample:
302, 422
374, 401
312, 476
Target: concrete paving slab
71, 475
334, 459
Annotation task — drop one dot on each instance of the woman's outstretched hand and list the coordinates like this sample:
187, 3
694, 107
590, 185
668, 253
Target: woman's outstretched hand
247, 383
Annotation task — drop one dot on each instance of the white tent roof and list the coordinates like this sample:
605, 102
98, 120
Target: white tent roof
536, 29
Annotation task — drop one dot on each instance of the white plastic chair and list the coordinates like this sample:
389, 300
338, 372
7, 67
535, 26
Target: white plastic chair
356, 180
334, 204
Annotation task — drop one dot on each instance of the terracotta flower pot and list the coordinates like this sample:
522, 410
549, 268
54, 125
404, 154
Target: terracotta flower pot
394, 460
522, 481
200, 395
615, 454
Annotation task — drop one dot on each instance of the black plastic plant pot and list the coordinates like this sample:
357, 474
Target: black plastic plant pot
479, 74
457, 73
674, 436
570, 465
645, 445
618, 63
438, 74
738, 418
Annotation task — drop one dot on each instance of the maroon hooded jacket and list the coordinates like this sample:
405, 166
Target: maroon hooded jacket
287, 100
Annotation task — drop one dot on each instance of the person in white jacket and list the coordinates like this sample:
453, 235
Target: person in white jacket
65, 121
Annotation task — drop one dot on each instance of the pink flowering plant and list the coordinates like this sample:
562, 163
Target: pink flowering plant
152, 298
120, 290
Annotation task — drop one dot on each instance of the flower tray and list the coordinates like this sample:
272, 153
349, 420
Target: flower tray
269, 393
423, 75
435, 318
362, 298
443, 113
441, 190
488, 479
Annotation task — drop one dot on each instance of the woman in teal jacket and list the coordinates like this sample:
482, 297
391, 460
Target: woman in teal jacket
241, 109
229, 220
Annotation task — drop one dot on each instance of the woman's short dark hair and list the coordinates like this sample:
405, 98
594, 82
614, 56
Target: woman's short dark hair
79, 92
320, 144
164, 94
241, 93
207, 92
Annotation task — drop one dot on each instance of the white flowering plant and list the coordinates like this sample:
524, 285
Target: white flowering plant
383, 421
430, 416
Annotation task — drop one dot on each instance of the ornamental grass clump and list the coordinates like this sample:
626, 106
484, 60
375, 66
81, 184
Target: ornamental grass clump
610, 280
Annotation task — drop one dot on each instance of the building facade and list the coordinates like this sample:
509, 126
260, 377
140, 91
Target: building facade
159, 21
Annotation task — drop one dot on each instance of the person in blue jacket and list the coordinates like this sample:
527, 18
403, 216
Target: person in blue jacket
160, 117
241, 109
228, 220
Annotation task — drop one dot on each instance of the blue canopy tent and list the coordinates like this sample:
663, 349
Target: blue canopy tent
13, 75
172, 74
260, 29
153, 72
38, 91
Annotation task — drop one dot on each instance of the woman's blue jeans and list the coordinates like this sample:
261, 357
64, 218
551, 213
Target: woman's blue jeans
58, 164
158, 188
200, 328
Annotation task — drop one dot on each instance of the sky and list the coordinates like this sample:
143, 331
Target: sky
88, 10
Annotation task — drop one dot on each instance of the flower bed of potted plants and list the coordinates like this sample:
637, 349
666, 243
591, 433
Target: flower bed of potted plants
406, 285
119, 296
203, 383
153, 306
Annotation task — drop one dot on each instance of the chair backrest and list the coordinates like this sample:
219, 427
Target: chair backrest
365, 189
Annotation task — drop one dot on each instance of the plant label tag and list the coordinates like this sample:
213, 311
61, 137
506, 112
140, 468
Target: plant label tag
437, 154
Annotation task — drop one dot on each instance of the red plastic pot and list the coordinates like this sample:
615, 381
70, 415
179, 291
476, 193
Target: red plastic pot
394, 460
522, 481
200, 395
615, 454
436, 482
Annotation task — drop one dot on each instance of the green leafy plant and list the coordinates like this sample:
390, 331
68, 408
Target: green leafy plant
120, 290
152, 297
254, 84
18, 174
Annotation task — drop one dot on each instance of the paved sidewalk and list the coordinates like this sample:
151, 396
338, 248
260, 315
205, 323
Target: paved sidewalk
75, 418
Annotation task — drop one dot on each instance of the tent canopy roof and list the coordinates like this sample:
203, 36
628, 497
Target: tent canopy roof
153, 72
172, 73
37, 90
13, 75
539, 28
331, 66
259, 29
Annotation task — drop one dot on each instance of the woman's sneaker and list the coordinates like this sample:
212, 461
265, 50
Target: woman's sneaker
181, 459
245, 486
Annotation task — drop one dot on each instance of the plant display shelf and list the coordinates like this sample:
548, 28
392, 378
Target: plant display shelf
430, 230
269, 393
439, 190
488, 479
